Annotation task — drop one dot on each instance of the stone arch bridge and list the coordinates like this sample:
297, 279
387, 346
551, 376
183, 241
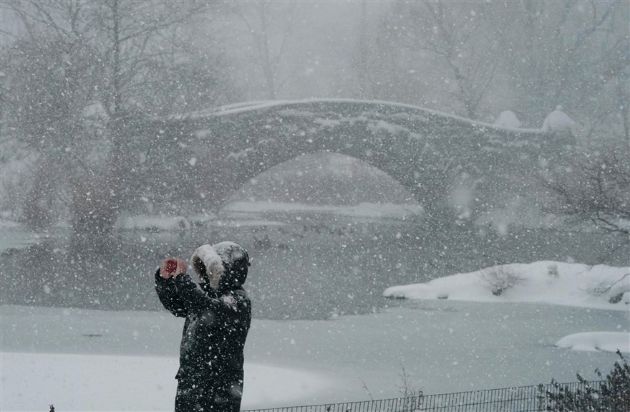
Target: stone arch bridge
432, 154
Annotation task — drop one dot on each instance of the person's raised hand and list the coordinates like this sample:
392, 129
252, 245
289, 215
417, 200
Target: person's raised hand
171, 267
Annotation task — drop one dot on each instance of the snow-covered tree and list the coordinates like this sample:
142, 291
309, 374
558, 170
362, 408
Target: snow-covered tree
130, 59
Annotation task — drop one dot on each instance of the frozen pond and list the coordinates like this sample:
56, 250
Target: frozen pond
307, 264
317, 267
442, 346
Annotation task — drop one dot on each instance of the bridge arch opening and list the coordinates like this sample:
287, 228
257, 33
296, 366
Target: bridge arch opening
323, 178
313, 257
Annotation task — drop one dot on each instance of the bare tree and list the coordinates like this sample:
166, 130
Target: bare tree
476, 58
270, 38
50, 81
80, 53
361, 58
595, 188
568, 52
618, 72
451, 44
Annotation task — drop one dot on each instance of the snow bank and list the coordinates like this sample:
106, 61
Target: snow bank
161, 223
146, 222
14, 236
597, 341
235, 222
368, 210
8, 224
105, 382
549, 282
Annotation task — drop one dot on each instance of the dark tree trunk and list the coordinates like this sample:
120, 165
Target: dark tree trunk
97, 199
38, 207
93, 216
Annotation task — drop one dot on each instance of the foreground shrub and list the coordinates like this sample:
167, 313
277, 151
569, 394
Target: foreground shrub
611, 395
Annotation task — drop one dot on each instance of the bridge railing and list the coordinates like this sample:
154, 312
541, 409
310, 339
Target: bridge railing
514, 399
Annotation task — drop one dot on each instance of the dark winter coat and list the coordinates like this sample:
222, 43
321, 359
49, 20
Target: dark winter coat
210, 376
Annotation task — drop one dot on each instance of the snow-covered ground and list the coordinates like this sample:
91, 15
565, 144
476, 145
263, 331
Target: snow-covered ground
90, 382
100, 360
362, 210
557, 283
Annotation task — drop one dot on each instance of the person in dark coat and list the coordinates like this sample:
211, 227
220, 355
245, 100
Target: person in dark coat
218, 316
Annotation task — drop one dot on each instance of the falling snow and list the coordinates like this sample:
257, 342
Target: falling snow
436, 187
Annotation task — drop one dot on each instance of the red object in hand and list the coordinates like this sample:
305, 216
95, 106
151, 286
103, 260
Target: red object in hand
171, 265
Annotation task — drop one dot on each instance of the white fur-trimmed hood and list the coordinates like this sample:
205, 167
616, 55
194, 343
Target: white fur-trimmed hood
210, 258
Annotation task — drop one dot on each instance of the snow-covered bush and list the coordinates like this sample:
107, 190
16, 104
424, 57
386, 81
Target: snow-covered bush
613, 395
615, 290
507, 119
558, 122
552, 271
500, 278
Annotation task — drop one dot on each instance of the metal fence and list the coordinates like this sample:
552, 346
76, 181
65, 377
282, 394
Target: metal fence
515, 399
